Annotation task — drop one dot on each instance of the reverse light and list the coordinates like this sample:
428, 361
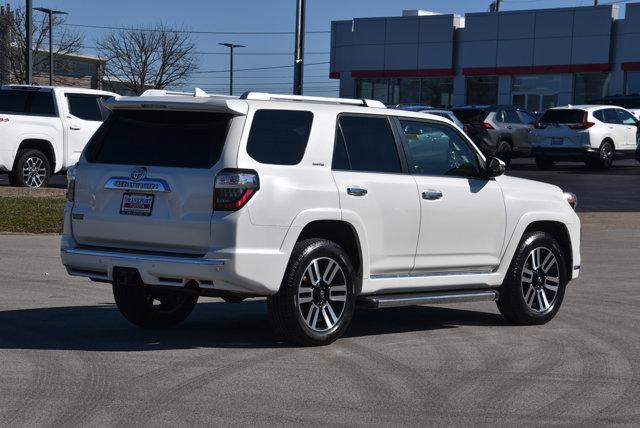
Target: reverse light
71, 184
234, 188
572, 199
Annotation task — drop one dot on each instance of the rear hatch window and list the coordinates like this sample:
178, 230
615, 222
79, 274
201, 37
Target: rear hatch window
563, 117
179, 139
470, 115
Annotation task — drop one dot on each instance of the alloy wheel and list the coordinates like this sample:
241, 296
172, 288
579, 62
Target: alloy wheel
606, 155
34, 171
540, 280
322, 294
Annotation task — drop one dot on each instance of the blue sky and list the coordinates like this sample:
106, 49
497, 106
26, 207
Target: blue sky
258, 15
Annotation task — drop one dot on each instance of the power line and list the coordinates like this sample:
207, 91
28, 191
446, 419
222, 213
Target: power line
226, 53
153, 30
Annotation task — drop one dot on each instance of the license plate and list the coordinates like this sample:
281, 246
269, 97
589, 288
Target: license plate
136, 204
557, 141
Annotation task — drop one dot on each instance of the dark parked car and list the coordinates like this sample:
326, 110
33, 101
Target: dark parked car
498, 130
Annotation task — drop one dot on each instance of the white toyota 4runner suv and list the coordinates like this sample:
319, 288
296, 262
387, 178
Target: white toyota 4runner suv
319, 204
43, 129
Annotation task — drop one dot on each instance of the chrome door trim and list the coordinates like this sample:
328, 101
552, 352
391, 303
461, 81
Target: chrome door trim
125, 183
474, 271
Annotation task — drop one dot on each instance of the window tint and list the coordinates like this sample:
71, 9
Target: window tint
599, 115
511, 116
160, 138
626, 117
370, 144
279, 137
526, 118
563, 116
25, 102
340, 157
436, 149
85, 107
610, 116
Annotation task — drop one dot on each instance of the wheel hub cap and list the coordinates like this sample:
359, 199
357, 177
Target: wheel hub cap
322, 294
540, 279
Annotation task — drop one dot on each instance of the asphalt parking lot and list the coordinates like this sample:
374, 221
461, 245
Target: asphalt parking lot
69, 358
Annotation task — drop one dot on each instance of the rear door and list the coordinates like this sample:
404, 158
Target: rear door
376, 193
148, 179
84, 116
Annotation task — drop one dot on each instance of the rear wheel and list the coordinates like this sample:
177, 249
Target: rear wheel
153, 308
316, 299
544, 164
31, 169
606, 153
534, 287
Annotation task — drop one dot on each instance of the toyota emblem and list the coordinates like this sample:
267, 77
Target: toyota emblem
138, 174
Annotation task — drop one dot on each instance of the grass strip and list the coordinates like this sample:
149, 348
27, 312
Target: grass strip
28, 214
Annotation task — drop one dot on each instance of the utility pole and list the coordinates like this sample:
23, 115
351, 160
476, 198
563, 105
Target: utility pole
595, 2
497, 5
298, 65
50, 12
231, 47
28, 55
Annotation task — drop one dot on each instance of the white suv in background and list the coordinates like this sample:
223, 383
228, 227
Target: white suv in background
595, 135
315, 203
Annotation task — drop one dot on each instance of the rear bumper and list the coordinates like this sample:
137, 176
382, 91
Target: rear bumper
563, 153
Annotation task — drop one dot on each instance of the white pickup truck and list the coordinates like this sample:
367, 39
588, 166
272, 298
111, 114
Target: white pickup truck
44, 129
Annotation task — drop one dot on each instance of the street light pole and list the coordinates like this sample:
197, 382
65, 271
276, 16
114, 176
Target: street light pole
231, 47
298, 65
50, 12
28, 55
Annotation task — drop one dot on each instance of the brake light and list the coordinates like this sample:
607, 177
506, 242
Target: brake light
539, 125
234, 188
585, 123
487, 125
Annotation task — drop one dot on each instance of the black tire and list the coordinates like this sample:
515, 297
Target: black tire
606, 154
544, 163
136, 303
521, 298
31, 169
286, 308
504, 152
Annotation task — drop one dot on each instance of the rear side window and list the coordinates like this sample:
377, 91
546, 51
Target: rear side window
508, 116
160, 138
370, 144
470, 115
564, 116
279, 137
85, 107
27, 102
611, 116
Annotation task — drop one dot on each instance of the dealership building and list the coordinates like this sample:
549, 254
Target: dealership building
532, 58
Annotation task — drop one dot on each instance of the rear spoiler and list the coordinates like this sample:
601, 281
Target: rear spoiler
156, 101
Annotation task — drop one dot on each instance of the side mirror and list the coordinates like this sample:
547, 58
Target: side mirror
494, 167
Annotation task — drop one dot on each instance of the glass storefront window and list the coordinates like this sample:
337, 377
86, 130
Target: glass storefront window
482, 90
536, 83
434, 91
590, 86
633, 82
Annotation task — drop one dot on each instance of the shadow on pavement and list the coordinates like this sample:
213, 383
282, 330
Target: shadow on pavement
212, 325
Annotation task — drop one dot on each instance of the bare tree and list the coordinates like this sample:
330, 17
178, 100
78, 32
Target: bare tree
65, 42
152, 57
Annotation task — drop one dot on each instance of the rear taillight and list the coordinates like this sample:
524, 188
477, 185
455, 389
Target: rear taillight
585, 123
71, 184
233, 189
487, 125
539, 125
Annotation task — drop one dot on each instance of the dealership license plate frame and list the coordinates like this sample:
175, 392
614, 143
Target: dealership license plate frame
143, 211
557, 141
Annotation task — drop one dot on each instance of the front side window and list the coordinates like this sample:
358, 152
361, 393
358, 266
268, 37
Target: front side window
85, 107
507, 116
526, 118
370, 144
626, 117
279, 137
436, 149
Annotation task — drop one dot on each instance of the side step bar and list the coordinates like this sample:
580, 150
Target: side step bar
409, 299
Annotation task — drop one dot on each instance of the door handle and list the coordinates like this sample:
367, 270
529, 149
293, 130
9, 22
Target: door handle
74, 127
509, 127
356, 191
432, 195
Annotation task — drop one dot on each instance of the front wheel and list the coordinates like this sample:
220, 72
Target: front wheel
534, 287
153, 308
316, 299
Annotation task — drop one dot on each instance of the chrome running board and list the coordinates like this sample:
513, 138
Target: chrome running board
409, 299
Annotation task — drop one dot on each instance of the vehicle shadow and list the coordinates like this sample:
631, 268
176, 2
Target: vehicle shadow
212, 325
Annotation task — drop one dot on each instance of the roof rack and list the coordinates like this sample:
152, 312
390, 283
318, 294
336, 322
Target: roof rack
197, 92
263, 96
